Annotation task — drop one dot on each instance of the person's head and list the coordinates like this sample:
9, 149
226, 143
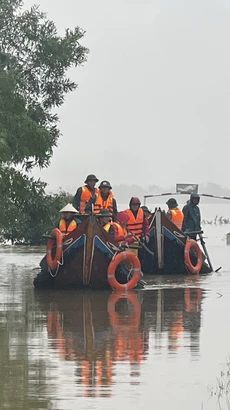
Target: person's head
134, 203
104, 216
172, 203
122, 217
68, 211
91, 180
105, 187
146, 211
194, 199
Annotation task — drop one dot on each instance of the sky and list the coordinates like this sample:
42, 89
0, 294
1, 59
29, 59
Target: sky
153, 99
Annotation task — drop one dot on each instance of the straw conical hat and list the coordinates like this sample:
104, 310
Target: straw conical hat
69, 208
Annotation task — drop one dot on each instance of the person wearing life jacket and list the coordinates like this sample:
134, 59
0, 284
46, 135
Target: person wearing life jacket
120, 232
137, 223
174, 213
67, 222
105, 220
102, 200
84, 193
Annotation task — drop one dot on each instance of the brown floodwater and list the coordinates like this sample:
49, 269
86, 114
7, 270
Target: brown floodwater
159, 348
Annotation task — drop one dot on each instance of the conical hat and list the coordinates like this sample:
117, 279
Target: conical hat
69, 208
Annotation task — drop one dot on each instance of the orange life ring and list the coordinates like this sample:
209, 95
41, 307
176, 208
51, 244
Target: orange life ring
191, 243
53, 262
129, 256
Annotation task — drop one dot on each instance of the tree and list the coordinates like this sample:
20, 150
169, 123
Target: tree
26, 211
34, 60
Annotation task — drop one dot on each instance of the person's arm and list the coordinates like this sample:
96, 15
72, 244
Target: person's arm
115, 207
91, 201
76, 199
112, 231
169, 215
146, 227
199, 221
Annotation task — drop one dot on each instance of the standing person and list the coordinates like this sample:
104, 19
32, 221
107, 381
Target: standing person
67, 222
137, 223
174, 213
103, 199
192, 217
84, 193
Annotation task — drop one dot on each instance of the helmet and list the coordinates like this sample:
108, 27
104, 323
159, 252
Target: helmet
91, 177
172, 202
104, 212
105, 184
145, 208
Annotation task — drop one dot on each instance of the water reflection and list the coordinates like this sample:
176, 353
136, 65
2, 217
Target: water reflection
100, 332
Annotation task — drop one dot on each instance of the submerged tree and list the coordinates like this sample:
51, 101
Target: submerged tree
34, 61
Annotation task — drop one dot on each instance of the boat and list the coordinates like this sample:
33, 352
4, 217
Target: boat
90, 257
85, 257
167, 249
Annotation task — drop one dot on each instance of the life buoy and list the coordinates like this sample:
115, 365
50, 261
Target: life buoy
191, 243
53, 262
120, 257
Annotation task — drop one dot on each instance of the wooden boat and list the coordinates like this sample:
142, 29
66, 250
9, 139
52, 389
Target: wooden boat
88, 250
86, 254
167, 245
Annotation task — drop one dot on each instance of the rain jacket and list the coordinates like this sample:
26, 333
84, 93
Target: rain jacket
192, 218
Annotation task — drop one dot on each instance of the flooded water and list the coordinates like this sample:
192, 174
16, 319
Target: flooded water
160, 348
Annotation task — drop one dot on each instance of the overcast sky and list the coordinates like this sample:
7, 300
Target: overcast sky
153, 102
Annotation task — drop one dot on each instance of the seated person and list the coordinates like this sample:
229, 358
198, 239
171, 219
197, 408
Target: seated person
120, 230
104, 218
67, 223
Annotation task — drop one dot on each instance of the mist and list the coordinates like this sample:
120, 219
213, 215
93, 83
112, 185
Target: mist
152, 105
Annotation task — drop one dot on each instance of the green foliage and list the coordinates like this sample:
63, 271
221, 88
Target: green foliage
26, 211
34, 60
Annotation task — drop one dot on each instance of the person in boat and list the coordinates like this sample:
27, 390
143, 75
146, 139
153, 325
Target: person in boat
174, 213
137, 223
67, 223
120, 230
105, 220
84, 193
192, 216
103, 199
146, 211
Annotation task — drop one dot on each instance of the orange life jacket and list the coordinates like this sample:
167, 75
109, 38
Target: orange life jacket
177, 217
135, 224
101, 204
106, 227
120, 230
86, 194
63, 228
